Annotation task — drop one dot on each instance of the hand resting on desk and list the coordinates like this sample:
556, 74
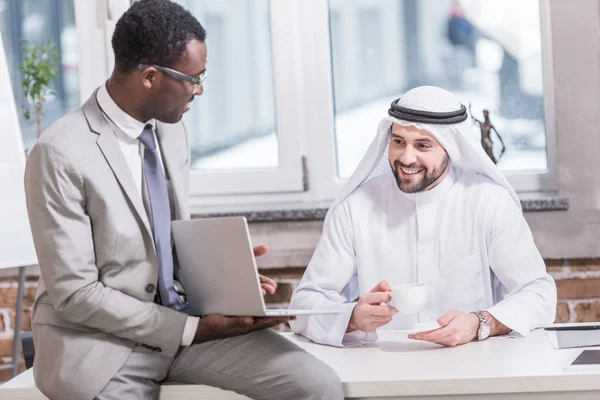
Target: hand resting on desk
459, 328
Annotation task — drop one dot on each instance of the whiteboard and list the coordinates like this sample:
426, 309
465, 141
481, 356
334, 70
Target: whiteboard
16, 244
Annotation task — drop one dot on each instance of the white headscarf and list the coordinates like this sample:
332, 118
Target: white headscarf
462, 148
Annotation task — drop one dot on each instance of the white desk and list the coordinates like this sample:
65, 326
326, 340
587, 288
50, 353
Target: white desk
498, 368
395, 367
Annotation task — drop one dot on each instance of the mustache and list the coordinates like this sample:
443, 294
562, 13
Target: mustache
398, 164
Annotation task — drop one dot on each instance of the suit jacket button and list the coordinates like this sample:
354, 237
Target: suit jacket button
150, 288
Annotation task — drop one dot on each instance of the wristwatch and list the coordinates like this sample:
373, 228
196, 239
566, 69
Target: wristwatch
483, 332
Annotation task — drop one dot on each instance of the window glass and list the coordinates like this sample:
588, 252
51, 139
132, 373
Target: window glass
232, 126
37, 21
487, 52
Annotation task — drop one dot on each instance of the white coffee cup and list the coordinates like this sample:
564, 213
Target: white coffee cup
409, 298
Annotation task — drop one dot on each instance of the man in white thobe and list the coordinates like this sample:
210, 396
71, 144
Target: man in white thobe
426, 205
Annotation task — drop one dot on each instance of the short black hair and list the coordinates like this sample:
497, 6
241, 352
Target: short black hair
154, 32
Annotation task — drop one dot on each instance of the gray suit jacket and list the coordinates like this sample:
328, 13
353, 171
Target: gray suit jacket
96, 253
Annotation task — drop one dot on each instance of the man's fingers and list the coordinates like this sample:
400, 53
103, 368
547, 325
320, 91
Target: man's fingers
267, 288
380, 322
440, 340
241, 321
260, 250
267, 280
450, 340
236, 325
449, 316
376, 322
436, 334
385, 286
377, 310
267, 284
375, 298
380, 318
431, 336
382, 286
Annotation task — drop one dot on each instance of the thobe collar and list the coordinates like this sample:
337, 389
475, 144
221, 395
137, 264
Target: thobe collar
432, 195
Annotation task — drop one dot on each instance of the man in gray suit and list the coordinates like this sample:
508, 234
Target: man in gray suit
103, 184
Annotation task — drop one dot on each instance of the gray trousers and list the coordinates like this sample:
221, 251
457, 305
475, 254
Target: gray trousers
260, 365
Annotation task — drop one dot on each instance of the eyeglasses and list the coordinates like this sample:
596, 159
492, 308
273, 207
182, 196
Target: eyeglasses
178, 75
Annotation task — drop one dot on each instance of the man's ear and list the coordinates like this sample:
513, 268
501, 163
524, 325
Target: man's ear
149, 77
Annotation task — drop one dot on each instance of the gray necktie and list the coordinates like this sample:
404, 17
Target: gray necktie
158, 197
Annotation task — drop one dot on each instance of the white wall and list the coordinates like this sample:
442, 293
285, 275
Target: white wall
576, 47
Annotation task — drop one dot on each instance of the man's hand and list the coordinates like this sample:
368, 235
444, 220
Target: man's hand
260, 250
459, 328
218, 326
369, 314
267, 285
456, 328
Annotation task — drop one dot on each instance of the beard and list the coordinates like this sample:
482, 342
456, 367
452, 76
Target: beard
428, 178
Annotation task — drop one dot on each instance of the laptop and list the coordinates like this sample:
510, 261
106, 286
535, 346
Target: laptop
218, 271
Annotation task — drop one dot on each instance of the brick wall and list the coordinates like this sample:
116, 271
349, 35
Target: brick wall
578, 286
577, 281
8, 301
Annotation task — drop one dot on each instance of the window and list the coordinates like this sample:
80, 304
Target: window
233, 127
235, 118
36, 21
487, 52
296, 88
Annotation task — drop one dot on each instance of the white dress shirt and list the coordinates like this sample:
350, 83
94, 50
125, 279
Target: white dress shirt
466, 238
130, 146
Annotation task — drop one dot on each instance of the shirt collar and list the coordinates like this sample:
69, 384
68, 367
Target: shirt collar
129, 125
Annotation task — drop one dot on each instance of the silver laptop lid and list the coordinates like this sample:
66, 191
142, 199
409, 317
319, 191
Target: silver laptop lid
217, 267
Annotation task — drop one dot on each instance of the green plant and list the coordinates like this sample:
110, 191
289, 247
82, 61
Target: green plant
40, 67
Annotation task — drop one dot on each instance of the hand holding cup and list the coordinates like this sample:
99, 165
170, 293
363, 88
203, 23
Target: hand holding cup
372, 310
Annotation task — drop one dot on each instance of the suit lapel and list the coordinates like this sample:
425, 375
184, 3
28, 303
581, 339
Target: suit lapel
114, 157
167, 137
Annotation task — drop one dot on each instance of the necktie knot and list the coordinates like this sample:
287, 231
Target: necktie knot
147, 138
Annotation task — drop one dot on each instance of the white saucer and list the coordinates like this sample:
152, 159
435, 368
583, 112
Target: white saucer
418, 328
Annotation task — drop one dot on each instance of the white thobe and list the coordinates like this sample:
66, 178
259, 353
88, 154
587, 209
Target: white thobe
466, 238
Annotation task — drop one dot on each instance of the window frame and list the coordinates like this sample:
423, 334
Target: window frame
527, 182
305, 119
288, 175
95, 24
523, 182
316, 98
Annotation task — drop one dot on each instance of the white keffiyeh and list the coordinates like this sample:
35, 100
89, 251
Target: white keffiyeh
462, 148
